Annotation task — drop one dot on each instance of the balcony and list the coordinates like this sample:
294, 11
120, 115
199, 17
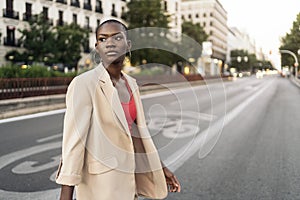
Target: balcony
27, 16
11, 42
62, 1
10, 14
99, 9
75, 4
87, 6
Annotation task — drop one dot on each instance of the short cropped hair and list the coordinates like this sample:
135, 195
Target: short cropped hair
113, 21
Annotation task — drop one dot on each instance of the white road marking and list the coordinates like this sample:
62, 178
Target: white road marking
53, 112
17, 155
27, 167
184, 153
45, 139
42, 114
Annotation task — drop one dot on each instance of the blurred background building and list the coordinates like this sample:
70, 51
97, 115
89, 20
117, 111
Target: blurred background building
15, 14
213, 17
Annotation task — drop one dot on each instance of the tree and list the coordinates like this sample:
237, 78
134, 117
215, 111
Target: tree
145, 13
69, 43
291, 42
194, 31
44, 43
238, 60
38, 39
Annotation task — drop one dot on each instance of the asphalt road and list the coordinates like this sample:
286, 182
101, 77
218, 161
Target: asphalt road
231, 140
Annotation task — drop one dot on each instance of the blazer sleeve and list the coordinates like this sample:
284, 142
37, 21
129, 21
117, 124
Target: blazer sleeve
75, 131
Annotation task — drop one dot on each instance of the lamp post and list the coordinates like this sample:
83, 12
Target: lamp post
295, 57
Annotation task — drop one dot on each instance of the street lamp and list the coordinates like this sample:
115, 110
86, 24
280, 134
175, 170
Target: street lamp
295, 57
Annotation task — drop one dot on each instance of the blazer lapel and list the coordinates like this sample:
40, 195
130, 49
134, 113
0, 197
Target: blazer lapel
111, 95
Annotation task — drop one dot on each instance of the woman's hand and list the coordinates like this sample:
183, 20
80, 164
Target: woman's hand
66, 192
172, 181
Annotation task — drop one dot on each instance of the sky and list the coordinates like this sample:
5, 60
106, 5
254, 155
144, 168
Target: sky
266, 21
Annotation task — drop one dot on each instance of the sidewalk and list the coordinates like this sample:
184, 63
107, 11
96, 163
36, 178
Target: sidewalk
18, 107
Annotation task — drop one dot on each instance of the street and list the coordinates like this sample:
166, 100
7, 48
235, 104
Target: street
224, 140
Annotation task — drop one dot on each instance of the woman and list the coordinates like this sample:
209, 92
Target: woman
107, 150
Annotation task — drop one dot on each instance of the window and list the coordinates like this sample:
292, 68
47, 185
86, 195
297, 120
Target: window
27, 14
9, 40
176, 6
9, 11
166, 5
99, 6
9, 5
211, 14
87, 5
211, 23
123, 14
197, 15
190, 16
87, 22
75, 3
204, 15
98, 22
60, 21
113, 10
75, 18
45, 12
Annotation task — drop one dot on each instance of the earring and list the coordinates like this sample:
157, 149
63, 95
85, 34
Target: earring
129, 54
96, 58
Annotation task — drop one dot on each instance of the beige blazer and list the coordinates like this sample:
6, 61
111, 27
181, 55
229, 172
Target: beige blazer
99, 155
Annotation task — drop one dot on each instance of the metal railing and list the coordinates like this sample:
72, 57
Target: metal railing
29, 87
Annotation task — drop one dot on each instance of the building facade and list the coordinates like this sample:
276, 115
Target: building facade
15, 14
213, 17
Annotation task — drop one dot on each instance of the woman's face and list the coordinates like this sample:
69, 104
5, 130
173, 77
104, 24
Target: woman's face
112, 43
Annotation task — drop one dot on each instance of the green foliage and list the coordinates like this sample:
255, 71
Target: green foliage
38, 39
47, 44
69, 44
241, 64
291, 42
13, 71
150, 14
145, 13
195, 31
251, 63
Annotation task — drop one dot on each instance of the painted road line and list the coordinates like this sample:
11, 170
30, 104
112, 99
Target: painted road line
42, 114
60, 111
184, 153
52, 137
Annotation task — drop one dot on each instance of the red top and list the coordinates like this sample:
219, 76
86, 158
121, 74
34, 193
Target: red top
129, 108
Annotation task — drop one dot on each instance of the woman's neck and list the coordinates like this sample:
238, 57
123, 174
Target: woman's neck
114, 70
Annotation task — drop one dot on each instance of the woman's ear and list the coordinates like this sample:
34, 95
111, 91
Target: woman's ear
129, 44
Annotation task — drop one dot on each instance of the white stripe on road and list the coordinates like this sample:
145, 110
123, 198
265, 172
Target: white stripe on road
42, 114
45, 139
17, 155
54, 112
